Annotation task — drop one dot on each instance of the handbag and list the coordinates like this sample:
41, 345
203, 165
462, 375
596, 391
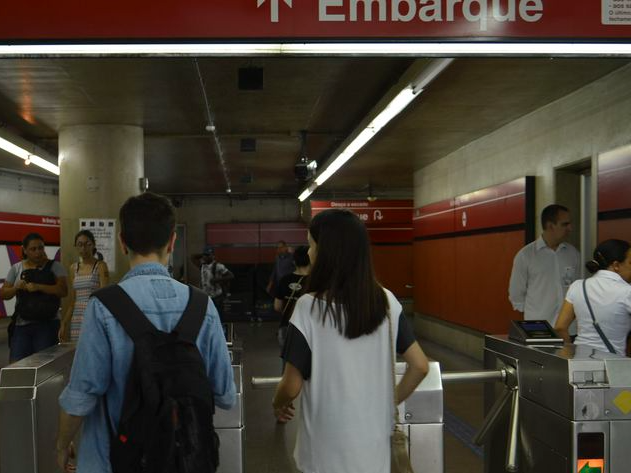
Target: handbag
399, 457
603, 337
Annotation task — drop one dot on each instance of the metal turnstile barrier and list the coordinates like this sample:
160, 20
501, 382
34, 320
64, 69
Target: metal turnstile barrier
29, 413
29, 410
569, 409
230, 425
421, 415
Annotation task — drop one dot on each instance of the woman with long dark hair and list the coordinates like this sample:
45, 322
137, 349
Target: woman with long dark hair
86, 276
338, 355
608, 294
38, 283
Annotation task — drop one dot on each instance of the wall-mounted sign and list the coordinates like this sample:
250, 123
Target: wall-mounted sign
173, 20
377, 212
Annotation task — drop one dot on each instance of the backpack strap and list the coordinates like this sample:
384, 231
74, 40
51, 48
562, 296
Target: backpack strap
191, 321
125, 310
48, 266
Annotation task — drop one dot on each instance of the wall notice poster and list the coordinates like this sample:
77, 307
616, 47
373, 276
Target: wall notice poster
104, 231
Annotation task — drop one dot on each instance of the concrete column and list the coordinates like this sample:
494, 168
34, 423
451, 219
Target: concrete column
100, 166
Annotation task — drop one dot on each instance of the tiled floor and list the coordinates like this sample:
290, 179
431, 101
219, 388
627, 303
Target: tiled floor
269, 446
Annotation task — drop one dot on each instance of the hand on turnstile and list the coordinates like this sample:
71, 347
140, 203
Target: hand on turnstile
66, 459
284, 414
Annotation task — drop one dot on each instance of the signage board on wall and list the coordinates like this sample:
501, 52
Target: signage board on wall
380, 212
104, 231
148, 20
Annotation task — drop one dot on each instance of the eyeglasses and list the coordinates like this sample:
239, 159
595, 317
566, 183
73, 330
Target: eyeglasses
87, 244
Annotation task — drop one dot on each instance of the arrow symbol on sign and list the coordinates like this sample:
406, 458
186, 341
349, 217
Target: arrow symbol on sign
273, 8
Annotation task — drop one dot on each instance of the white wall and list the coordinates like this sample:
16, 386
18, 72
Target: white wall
592, 120
28, 195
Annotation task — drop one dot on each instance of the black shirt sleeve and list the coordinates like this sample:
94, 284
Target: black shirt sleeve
405, 335
297, 352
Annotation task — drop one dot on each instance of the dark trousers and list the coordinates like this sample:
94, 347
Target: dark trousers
28, 339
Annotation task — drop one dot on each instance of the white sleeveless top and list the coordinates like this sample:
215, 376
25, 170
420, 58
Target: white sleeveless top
346, 405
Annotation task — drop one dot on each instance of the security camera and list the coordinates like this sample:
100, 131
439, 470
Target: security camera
305, 170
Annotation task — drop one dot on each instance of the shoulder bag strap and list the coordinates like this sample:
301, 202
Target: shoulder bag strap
293, 292
48, 265
596, 325
125, 310
191, 321
394, 380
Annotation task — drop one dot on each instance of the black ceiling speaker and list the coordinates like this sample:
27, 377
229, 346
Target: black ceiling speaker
247, 145
250, 78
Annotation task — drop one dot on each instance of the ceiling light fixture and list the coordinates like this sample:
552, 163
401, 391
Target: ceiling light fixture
436, 49
28, 158
390, 111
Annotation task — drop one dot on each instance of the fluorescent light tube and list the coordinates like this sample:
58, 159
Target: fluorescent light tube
28, 157
369, 49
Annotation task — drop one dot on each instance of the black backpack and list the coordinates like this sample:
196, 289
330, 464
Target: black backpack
166, 422
37, 306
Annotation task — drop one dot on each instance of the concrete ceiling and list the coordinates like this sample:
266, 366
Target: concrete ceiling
327, 97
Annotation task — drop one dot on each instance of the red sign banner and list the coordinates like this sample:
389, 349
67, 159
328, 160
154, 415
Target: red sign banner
379, 212
14, 227
169, 20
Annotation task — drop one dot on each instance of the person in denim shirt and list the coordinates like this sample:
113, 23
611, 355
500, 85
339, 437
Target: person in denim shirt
104, 351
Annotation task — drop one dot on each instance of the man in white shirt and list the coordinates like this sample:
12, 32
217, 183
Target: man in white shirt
544, 269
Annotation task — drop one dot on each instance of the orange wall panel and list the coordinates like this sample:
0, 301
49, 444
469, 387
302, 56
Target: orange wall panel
464, 280
619, 228
393, 268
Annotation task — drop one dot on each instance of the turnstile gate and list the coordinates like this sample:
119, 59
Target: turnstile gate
29, 410
570, 410
29, 413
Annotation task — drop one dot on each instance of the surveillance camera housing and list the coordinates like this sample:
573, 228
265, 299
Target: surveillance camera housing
305, 170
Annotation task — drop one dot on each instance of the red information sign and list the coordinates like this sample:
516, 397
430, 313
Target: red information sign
168, 20
379, 212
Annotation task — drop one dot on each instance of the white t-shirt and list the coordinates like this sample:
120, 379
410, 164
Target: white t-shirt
346, 405
610, 298
540, 278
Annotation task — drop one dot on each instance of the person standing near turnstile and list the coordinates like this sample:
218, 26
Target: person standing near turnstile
39, 284
601, 304
339, 353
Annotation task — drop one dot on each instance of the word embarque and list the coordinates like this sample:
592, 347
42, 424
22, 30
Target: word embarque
480, 11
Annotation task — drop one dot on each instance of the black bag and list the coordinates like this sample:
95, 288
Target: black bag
166, 422
37, 306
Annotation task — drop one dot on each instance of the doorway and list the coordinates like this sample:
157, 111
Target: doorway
573, 189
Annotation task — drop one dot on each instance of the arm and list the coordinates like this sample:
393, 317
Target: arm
566, 316
59, 289
287, 390
518, 283
416, 370
278, 305
8, 290
67, 317
104, 274
68, 428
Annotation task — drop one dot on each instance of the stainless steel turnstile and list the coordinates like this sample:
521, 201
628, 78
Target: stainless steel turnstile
29, 412
420, 416
230, 425
565, 409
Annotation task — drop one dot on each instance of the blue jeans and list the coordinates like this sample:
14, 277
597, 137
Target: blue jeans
31, 338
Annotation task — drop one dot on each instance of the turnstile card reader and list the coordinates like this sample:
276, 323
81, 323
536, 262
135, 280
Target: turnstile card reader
536, 332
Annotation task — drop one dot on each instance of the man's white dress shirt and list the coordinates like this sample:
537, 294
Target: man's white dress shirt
540, 278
